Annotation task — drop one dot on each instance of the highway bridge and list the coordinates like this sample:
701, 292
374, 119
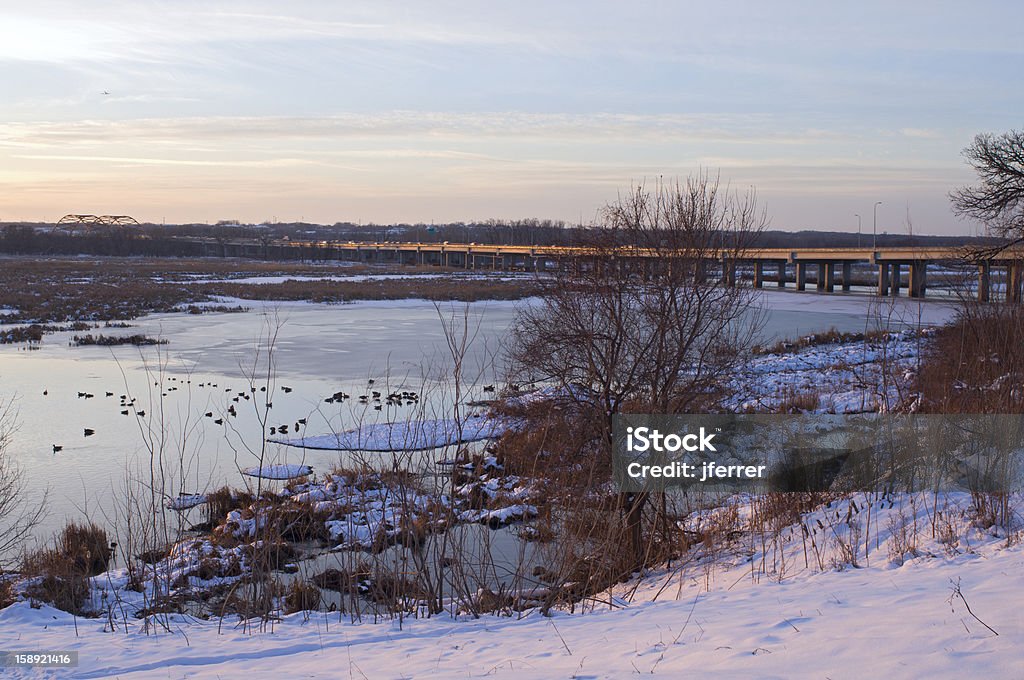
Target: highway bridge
999, 275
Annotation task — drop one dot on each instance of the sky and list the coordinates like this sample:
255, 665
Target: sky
444, 111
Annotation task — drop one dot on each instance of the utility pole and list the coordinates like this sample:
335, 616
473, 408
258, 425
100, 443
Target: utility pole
874, 226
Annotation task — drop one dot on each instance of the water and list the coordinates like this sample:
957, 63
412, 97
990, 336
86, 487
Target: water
317, 350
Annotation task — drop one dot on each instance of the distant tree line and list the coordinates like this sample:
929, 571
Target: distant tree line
156, 240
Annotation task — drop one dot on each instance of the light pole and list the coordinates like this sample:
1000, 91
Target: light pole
874, 226
858, 229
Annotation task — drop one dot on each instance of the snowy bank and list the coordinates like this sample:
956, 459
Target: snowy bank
406, 435
897, 616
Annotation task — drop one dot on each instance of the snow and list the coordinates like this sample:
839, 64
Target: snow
405, 436
282, 471
849, 377
894, 615
185, 501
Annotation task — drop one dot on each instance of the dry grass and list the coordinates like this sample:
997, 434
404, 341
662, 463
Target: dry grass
7, 596
301, 596
57, 290
829, 337
79, 551
975, 364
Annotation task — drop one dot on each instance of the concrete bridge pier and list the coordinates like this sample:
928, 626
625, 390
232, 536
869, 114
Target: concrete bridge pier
758, 274
883, 279
984, 281
781, 280
801, 276
918, 279
820, 282
1015, 282
847, 276
897, 279
729, 271
830, 276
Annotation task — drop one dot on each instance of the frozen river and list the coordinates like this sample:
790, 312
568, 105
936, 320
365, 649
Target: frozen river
213, 359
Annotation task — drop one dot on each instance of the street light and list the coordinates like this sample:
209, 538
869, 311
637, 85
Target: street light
874, 226
858, 229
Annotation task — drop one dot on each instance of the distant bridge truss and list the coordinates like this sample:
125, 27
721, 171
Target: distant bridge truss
73, 222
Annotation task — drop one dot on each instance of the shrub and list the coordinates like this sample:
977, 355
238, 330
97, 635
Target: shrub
301, 596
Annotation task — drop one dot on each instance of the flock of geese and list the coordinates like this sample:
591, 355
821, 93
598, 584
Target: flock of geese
373, 397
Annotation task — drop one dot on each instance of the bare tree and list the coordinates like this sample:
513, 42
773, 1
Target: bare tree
19, 515
645, 323
998, 200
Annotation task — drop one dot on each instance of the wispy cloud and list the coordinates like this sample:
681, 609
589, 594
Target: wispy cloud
418, 124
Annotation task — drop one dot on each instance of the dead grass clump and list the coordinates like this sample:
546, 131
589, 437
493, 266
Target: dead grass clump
155, 555
552, 449
776, 510
974, 365
301, 596
67, 592
992, 509
87, 547
222, 501
342, 581
902, 538
269, 555
79, 551
798, 401
829, 337
299, 522
7, 596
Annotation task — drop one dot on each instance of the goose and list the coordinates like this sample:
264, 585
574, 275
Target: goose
89, 432
219, 421
286, 390
208, 414
141, 414
273, 431
124, 412
57, 447
45, 392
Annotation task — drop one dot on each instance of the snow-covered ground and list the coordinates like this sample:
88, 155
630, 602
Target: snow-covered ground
851, 377
763, 612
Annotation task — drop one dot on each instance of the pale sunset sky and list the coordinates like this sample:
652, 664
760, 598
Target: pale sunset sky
440, 111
